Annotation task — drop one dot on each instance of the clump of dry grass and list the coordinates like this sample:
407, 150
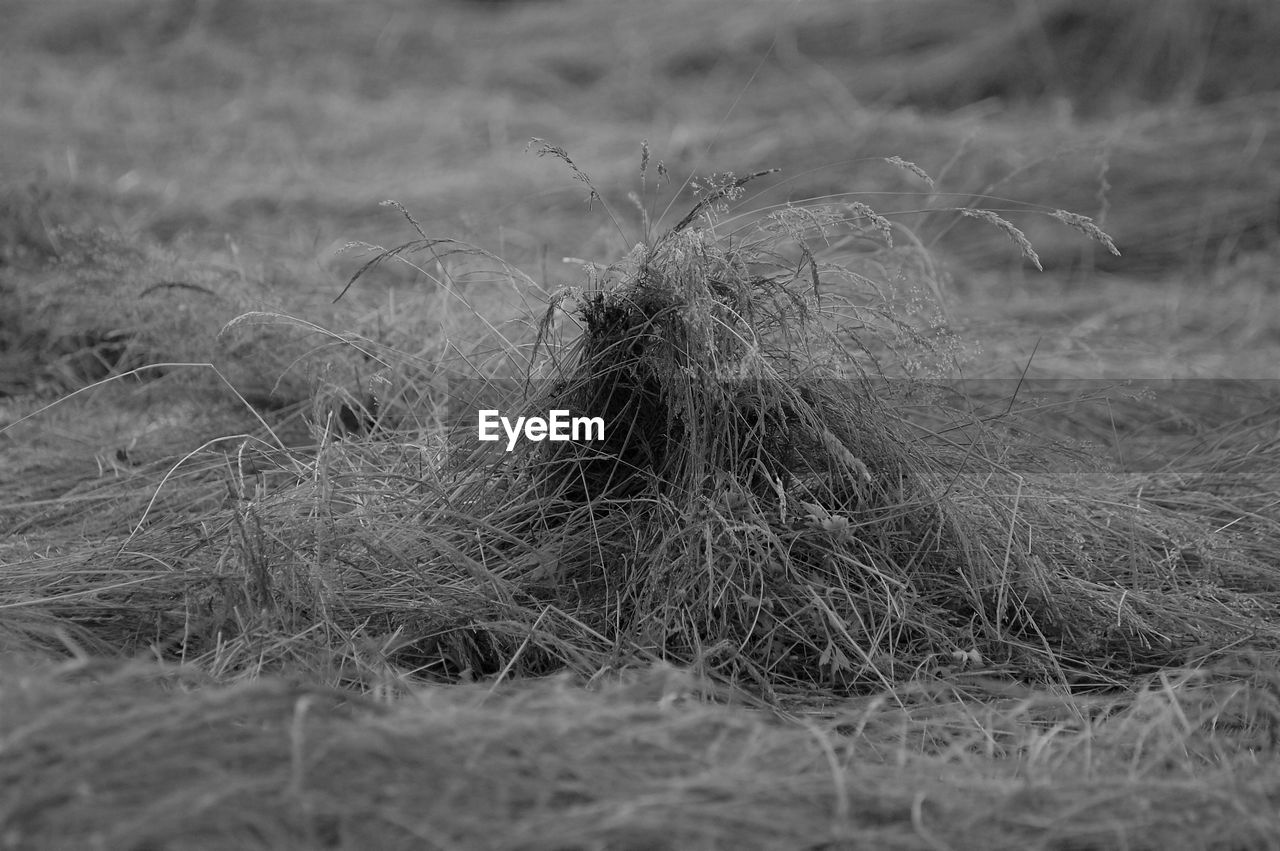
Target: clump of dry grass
760, 507
793, 530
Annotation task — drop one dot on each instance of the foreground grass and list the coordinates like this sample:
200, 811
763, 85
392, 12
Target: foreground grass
132, 757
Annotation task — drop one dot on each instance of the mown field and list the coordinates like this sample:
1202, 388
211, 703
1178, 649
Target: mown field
937, 344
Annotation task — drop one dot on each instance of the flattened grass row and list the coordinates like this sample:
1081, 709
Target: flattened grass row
101, 755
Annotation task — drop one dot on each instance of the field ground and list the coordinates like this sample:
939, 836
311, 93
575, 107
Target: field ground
250, 597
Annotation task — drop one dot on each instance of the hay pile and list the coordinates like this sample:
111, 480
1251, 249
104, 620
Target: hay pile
758, 514
760, 509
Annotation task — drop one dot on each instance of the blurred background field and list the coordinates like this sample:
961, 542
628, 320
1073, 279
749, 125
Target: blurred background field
167, 167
